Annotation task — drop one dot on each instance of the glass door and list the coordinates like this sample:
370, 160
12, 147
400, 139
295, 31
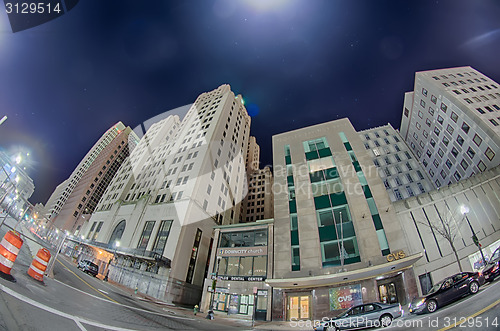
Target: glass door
388, 293
293, 310
298, 307
304, 307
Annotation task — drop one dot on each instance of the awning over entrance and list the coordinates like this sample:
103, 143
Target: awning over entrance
345, 277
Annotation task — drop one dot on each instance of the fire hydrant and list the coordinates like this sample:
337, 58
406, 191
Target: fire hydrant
196, 309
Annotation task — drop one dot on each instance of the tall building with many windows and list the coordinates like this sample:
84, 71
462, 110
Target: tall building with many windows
402, 174
338, 234
159, 211
253, 155
62, 192
258, 203
451, 122
83, 199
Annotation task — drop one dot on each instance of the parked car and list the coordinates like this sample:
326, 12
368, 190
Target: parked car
367, 315
492, 268
88, 267
447, 291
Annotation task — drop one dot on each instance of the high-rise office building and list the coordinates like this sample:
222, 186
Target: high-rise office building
62, 192
259, 202
181, 180
87, 192
338, 232
253, 155
451, 122
402, 174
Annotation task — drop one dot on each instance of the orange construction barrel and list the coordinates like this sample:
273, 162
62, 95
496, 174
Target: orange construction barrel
39, 264
9, 248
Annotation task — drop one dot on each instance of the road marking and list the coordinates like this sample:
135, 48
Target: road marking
57, 312
92, 287
80, 325
471, 316
123, 305
103, 291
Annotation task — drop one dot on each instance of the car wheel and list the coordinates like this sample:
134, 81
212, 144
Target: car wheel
385, 320
431, 306
474, 287
329, 327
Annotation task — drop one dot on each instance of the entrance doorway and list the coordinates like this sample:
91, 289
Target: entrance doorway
388, 293
299, 307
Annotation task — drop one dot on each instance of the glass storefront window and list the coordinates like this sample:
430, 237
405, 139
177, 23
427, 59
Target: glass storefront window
243, 266
222, 267
259, 265
232, 266
244, 239
261, 237
261, 302
246, 266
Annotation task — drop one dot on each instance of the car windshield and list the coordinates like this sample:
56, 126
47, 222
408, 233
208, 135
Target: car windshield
342, 312
435, 287
495, 256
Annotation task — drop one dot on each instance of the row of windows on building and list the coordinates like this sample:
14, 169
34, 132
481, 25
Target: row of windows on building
390, 159
464, 74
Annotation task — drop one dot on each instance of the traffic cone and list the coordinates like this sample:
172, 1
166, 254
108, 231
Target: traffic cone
9, 249
39, 264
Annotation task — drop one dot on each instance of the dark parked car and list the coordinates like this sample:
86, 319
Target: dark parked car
446, 291
367, 315
492, 268
88, 267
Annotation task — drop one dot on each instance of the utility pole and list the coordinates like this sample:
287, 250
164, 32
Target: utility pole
214, 286
465, 210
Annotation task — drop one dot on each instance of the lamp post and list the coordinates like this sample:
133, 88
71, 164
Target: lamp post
8, 179
214, 286
116, 245
464, 210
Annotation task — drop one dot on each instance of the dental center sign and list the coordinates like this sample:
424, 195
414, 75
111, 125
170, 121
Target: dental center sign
345, 297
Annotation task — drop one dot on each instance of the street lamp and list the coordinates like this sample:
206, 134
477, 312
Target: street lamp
214, 286
464, 210
116, 245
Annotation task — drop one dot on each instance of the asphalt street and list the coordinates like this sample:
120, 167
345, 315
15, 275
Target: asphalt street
464, 314
74, 300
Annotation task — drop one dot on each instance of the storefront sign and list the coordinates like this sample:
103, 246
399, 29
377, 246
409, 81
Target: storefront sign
242, 251
345, 297
243, 278
396, 256
218, 289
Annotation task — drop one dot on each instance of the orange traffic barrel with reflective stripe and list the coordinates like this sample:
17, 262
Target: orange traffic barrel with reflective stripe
9, 248
39, 264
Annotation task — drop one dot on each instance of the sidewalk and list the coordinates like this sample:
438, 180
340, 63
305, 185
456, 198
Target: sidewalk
220, 318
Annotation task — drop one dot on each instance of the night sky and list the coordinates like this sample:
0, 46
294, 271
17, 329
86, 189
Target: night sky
64, 83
